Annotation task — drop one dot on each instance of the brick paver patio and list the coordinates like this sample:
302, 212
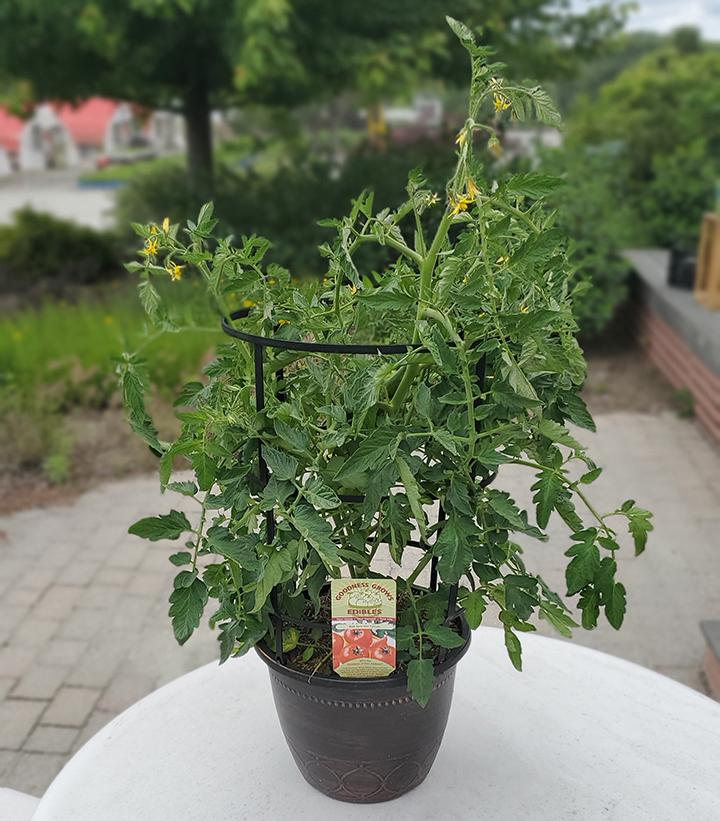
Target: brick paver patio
83, 626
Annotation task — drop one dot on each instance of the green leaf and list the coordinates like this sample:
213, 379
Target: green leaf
387, 298
240, 549
423, 400
452, 550
205, 470
169, 526
639, 525
188, 394
589, 604
520, 595
516, 378
461, 31
180, 558
420, 680
186, 488
589, 477
559, 619
186, 608
615, 605
443, 636
576, 411
532, 184
440, 351
278, 568
505, 507
446, 439
556, 432
316, 530
320, 495
514, 648
291, 637
474, 605
585, 562
282, 466
412, 489
371, 454
548, 490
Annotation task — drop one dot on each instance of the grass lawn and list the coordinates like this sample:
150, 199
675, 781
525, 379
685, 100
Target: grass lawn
56, 368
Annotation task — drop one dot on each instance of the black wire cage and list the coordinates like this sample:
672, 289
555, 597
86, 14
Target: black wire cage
258, 344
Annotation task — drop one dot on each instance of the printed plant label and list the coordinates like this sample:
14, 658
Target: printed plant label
363, 627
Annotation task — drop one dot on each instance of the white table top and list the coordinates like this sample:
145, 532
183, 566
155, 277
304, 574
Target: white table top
578, 735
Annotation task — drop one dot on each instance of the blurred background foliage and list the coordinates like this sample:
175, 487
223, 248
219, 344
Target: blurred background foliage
306, 83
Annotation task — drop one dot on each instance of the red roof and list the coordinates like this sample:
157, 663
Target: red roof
88, 121
10, 130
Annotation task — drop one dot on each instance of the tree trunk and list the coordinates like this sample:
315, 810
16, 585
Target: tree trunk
199, 139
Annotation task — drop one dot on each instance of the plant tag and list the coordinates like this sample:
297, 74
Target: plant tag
363, 627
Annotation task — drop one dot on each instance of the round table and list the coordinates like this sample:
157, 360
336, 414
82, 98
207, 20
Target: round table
578, 735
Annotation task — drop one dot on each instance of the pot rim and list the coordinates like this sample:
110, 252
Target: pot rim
396, 678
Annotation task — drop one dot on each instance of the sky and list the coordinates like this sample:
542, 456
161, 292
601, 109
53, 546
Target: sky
665, 15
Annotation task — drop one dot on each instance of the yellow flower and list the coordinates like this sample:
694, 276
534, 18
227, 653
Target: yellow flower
501, 102
472, 189
353, 289
151, 247
153, 229
174, 270
461, 138
248, 303
524, 309
108, 319
459, 203
502, 260
166, 225
433, 199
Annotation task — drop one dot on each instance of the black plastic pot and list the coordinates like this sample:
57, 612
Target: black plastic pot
362, 740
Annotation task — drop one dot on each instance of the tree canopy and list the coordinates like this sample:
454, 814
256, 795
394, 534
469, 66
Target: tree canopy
195, 55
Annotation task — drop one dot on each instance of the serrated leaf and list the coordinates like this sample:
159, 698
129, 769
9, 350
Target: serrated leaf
548, 490
556, 432
240, 549
505, 507
520, 595
452, 550
186, 609
474, 606
205, 470
589, 604
188, 394
185, 488
169, 526
412, 490
420, 680
371, 454
282, 465
316, 530
532, 184
584, 564
320, 495
639, 525
279, 567
446, 439
517, 380
443, 636
615, 605
575, 409
180, 558
559, 619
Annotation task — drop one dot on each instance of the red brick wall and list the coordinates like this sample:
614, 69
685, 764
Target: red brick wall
684, 369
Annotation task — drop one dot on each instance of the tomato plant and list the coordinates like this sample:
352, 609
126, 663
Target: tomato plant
479, 281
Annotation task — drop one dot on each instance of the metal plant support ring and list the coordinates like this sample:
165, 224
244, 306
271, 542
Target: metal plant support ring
258, 344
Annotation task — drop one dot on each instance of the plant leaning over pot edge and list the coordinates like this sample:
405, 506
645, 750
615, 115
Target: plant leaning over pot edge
490, 291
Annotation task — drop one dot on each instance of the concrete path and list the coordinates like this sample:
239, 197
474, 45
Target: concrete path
83, 625
56, 193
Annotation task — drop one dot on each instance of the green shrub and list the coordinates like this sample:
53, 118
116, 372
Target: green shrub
593, 212
288, 204
41, 252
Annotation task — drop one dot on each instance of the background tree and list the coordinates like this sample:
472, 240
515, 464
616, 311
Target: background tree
195, 55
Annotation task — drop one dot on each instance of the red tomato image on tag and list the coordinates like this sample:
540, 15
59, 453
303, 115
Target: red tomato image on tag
364, 612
